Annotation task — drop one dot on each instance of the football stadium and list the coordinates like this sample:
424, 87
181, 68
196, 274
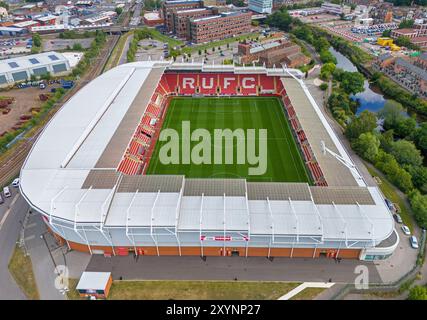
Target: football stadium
138, 162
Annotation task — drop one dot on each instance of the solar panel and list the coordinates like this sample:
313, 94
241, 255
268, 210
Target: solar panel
13, 64
34, 61
53, 57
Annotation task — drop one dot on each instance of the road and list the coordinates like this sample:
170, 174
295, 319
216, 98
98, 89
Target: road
11, 213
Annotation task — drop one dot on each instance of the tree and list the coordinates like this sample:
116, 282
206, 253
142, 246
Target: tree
77, 47
406, 127
419, 206
367, 146
326, 56
323, 86
4, 5
37, 40
406, 23
420, 137
393, 171
327, 70
352, 82
419, 177
280, 19
118, 10
418, 293
365, 122
391, 113
406, 152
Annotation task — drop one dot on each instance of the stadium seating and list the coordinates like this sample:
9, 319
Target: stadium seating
231, 81
267, 83
188, 83
172, 81
208, 83
130, 166
153, 110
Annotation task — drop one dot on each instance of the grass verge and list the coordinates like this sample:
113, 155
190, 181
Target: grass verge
308, 294
21, 268
194, 290
389, 192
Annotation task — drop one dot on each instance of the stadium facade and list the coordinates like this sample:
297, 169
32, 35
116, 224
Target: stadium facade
86, 175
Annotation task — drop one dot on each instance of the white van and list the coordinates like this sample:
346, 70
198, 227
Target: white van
6, 192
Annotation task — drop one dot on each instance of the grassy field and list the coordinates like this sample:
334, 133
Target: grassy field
284, 162
22, 271
194, 290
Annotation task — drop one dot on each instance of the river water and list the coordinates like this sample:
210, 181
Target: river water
368, 99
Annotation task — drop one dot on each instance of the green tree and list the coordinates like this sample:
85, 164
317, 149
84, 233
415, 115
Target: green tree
419, 206
419, 177
77, 47
352, 82
406, 152
118, 10
420, 137
327, 70
365, 122
406, 127
394, 172
37, 40
418, 293
391, 113
280, 19
406, 23
367, 146
326, 56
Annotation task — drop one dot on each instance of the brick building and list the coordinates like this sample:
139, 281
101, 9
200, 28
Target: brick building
272, 53
169, 7
181, 25
221, 26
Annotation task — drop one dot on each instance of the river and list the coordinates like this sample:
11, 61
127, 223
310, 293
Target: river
368, 99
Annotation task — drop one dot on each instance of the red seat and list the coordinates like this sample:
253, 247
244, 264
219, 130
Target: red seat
208, 83
267, 82
228, 83
172, 81
248, 84
129, 166
187, 83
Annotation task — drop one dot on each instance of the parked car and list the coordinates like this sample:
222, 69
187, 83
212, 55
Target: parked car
406, 230
6, 192
15, 183
389, 204
1, 199
414, 242
397, 218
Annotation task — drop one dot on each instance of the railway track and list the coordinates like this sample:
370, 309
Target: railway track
11, 165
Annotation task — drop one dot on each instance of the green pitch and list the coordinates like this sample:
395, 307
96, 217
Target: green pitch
284, 162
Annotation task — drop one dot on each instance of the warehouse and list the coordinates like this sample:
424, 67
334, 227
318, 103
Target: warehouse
22, 68
86, 176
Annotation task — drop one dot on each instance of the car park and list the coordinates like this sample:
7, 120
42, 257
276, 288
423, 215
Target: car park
406, 230
414, 242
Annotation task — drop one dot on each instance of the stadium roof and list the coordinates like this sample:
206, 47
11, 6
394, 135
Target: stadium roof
70, 173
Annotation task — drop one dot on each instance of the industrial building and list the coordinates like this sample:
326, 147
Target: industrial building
85, 175
22, 68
